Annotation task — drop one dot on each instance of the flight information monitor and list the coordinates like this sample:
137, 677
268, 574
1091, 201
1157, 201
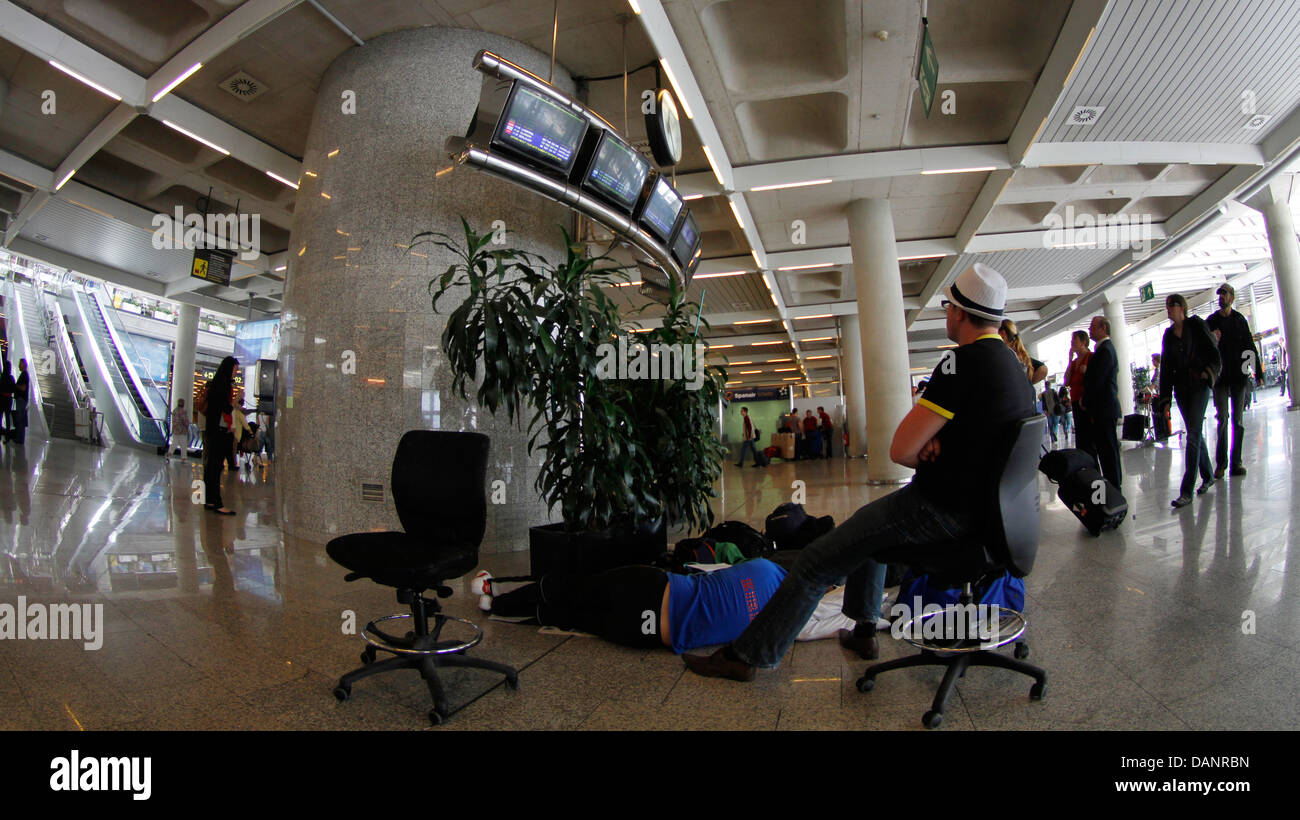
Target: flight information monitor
661, 210
617, 172
540, 129
687, 242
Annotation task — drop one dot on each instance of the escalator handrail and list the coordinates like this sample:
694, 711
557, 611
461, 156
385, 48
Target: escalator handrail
71, 370
156, 410
81, 299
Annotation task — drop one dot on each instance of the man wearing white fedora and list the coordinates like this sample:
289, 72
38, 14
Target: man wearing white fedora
974, 394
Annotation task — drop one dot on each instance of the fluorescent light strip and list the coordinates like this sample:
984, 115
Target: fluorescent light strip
754, 321
749, 372
713, 165
65, 179
785, 370
961, 170
720, 275
818, 339
719, 347
279, 178
759, 344
635, 8
281, 268
693, 197
736, 212
74, 75
810, 358
167, 89
818, 316
791, 185
195, 137
758, 263
808, 267
677, 89
922, 256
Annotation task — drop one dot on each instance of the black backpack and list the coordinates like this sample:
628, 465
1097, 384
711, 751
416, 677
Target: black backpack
752, 543
791, 528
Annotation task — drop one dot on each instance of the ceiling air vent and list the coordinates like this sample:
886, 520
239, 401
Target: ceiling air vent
243, 86
1257, 122
372, 493
1086, 114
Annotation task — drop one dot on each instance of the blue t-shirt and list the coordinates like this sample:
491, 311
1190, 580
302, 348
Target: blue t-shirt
715, 608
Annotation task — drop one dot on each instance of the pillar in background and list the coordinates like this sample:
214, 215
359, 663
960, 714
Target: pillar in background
361, 358
882, 331
1272, 202
855, 397
1119, 337
187, 339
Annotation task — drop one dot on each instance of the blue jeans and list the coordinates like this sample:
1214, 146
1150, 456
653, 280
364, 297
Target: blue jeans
747, 446
1228, 401
1192, 404
901, 519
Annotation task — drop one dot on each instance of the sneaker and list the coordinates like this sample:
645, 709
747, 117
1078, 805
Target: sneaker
481, 586
1238, 470
1205, 486
1181, 501
1219, 472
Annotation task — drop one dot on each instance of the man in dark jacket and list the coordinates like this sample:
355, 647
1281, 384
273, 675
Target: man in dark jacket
1101, 398
1240, 363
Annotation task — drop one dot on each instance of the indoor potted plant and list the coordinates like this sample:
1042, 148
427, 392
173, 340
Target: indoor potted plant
535, 337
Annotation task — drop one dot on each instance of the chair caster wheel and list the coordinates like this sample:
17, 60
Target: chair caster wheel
931, 720
1022, 651
1037, 691
367, 656
342, 692
436, 718
512, 683
866, 684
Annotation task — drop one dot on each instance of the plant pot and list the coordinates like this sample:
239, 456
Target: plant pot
553, 549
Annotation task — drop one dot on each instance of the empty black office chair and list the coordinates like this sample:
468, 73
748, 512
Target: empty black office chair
439, 489
1009, 544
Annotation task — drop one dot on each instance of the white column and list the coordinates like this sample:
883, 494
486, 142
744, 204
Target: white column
1272, 203
187, 339
855, 397
1119, 337
886, 379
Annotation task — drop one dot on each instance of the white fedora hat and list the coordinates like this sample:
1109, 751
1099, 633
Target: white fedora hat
980, 290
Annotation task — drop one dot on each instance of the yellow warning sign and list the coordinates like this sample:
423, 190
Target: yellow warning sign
200, 268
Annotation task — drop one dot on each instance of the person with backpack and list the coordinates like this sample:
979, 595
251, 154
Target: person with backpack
217, 403
1190, 364
749, 434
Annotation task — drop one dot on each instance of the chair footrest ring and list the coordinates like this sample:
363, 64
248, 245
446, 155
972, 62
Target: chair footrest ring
375, 637
989, 625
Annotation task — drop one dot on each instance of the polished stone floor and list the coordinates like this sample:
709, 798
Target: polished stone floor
1180, 620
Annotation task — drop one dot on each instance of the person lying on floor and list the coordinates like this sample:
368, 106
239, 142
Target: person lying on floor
645, 607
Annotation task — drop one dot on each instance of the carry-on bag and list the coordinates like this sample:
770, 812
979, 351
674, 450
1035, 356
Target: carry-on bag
1096, 502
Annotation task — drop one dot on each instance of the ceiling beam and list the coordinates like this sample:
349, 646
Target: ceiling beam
39, 38
872, 165
1142, 153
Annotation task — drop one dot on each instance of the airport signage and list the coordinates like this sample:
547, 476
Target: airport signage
212, 265
928, 73
1148, 292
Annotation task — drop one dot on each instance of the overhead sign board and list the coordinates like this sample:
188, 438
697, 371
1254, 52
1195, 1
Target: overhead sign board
1148, 292
928, 73
212, 265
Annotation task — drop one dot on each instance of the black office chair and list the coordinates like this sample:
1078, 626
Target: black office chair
1010, 544
439, 488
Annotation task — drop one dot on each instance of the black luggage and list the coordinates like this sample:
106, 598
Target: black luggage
1096, 502
751, 542
1163, 424
761, 459
1058, 464
1135, 427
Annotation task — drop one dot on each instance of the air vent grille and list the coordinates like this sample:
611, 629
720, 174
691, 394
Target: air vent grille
1086, 114
244, 86
372, 493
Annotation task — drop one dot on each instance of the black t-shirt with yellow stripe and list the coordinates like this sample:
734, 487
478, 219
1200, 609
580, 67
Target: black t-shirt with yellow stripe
980, 388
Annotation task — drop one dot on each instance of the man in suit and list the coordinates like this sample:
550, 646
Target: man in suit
1101, 398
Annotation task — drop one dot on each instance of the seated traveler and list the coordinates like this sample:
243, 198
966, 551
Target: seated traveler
973, 397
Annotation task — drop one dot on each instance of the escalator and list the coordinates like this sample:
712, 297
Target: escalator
136, 413
56, 394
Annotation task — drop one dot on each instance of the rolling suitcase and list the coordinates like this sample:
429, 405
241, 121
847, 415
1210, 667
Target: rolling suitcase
1135, 427
761, 459
1096, 502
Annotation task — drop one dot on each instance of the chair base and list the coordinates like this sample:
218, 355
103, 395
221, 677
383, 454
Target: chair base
956, 669
421, 650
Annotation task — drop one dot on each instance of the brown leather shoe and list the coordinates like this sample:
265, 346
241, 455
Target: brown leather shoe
867, 647
718, 665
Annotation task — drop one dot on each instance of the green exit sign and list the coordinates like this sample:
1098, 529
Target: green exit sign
928, 73
1148, 292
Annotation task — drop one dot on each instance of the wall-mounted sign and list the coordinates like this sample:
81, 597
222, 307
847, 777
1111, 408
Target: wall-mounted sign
758, 394
212, 265
1148, 292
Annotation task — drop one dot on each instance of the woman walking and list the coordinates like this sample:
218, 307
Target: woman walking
218, 439
1189, 365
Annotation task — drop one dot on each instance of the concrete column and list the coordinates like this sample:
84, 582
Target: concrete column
360, 359
855, 397
885, 376
187, 338
1119, 336
1272, 203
